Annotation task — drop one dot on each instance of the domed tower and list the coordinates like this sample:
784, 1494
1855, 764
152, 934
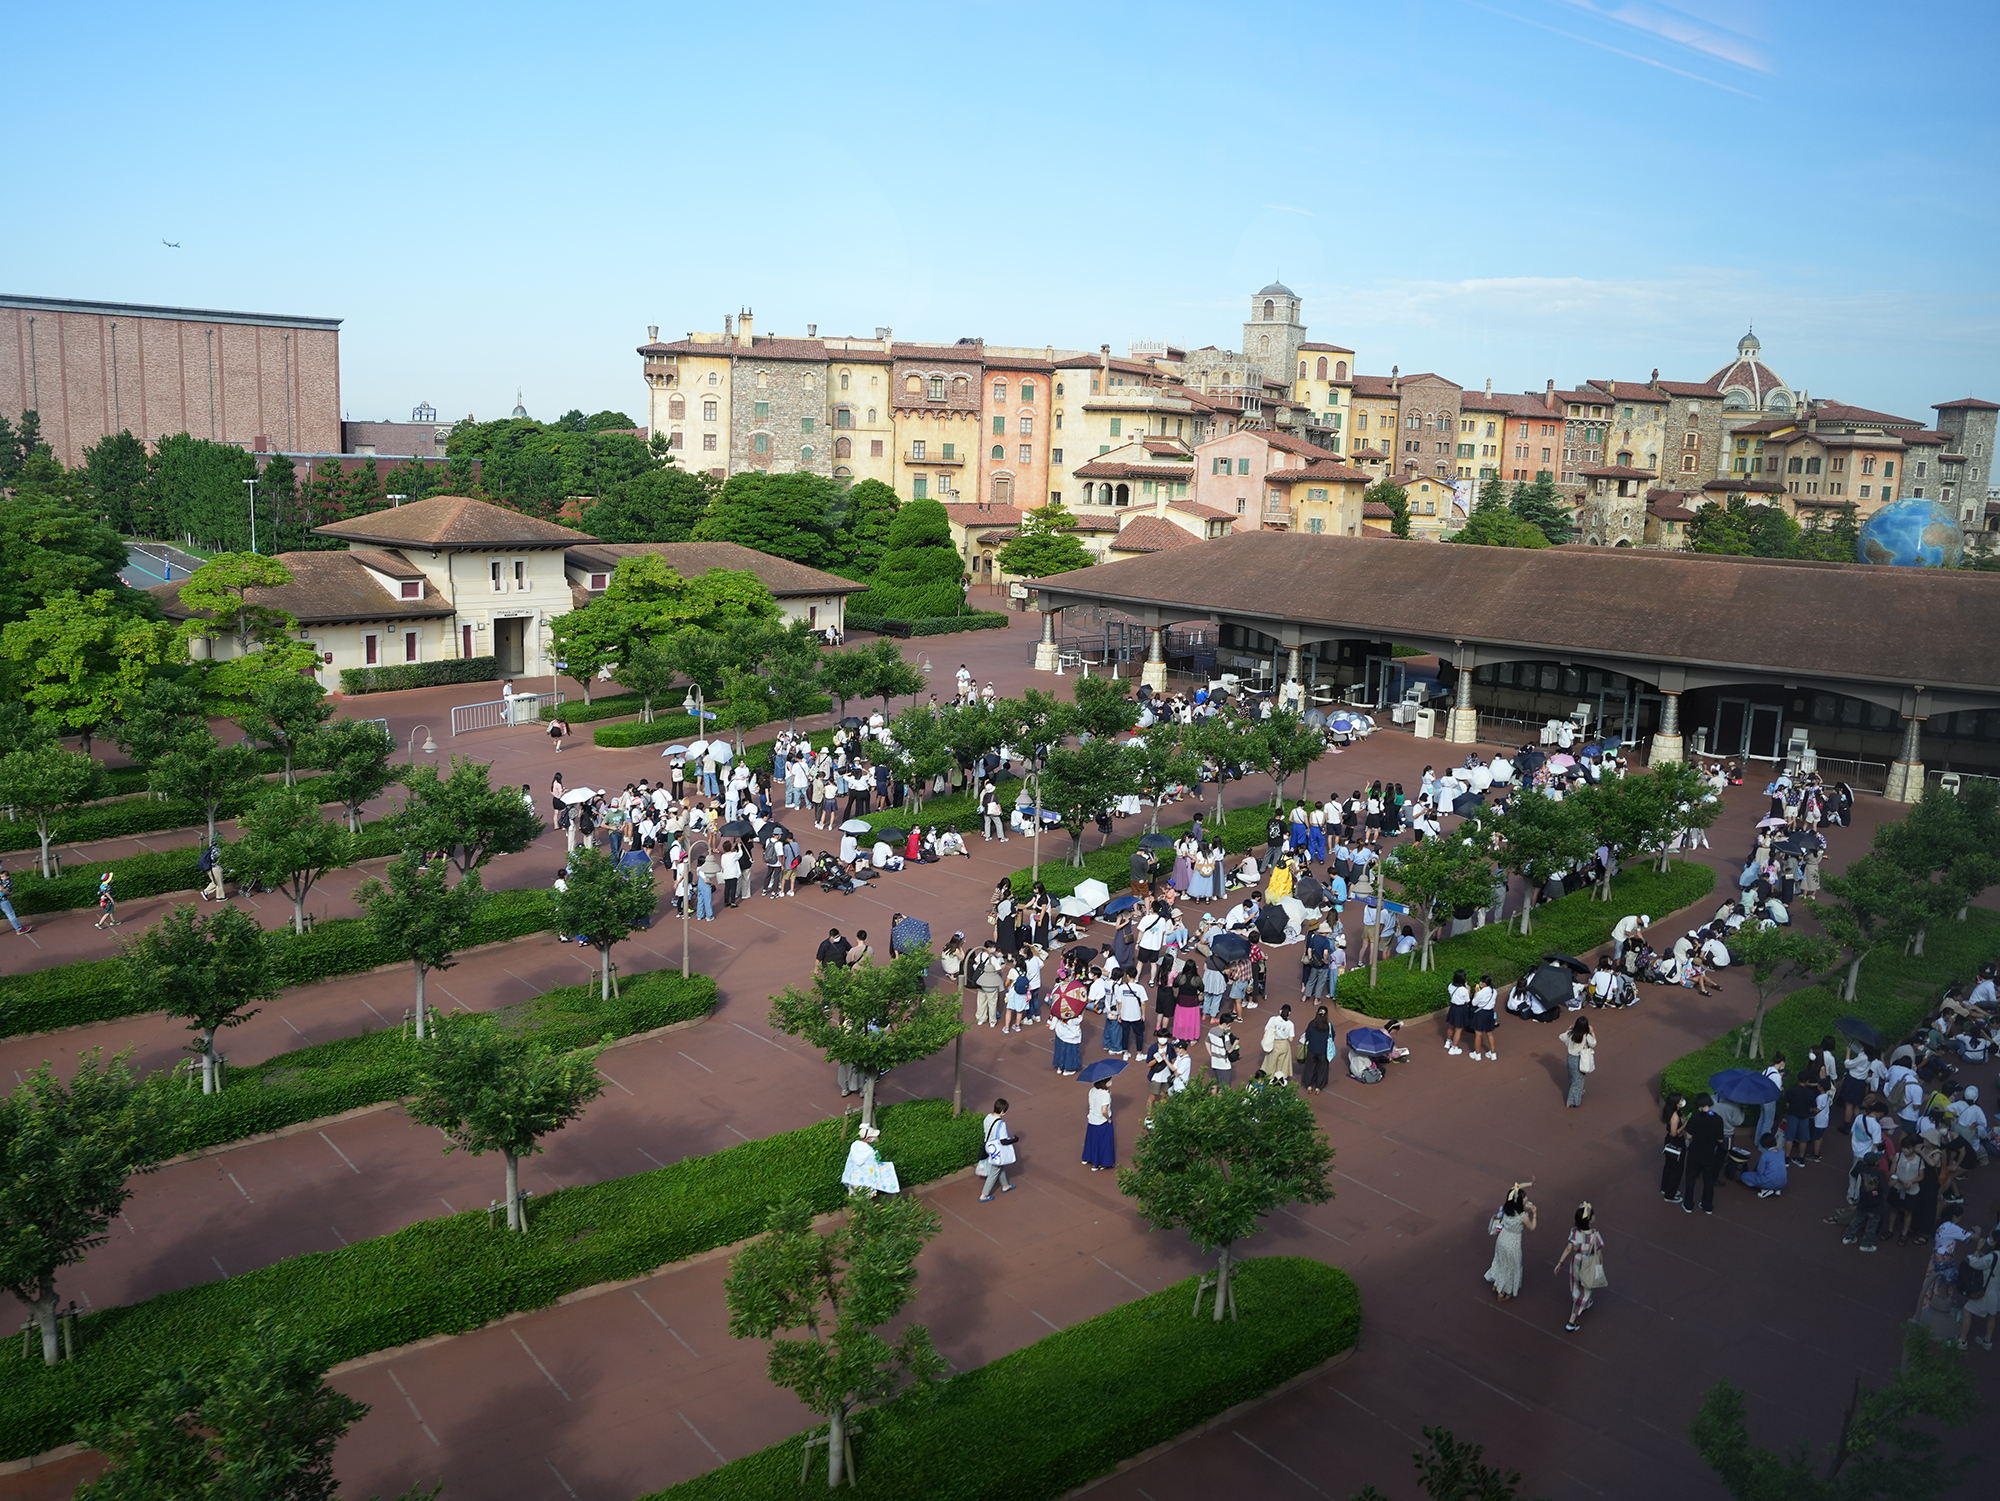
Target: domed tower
519, 410
1747, 384
1273, 332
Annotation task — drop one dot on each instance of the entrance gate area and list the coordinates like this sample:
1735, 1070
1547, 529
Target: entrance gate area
1743, 727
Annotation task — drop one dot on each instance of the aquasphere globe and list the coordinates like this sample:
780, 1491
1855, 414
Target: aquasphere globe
1911, 534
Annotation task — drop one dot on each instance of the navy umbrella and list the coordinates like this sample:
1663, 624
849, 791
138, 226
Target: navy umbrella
1469, 802
1156, 841
1741, 1086
1120, 904
910, 934
1370, 1042
1854, 1028
1103, 1068
635, 860
1551, 984
736, 828
892, 835
1229, 948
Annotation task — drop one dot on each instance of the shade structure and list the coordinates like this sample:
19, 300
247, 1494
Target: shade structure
1740, 1086
892, 834
720, 751
1574, 964
1561, 761
1550, 983
675, 750
857, 826
1316, 718
1340, 724
1094, 892
1103, 1068
850, 723
697, 747
1079, 953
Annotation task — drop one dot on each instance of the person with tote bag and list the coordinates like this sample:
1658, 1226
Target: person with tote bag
1584, 1251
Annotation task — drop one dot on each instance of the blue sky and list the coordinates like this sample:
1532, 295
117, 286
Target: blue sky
500, 196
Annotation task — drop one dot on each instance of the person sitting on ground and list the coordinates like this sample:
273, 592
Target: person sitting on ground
1768, 1176
884, 857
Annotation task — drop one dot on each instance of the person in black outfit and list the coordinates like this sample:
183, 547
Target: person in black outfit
833, 949
1707, 1149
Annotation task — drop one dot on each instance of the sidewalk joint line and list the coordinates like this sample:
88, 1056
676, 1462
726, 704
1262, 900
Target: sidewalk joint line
1120, 1275
295, 1027
665, 1325
696, 1062
649, 1157
1278, 1462
759, 1036
559, 1475
1045, 1319
240, 1188
337, 1235
218, 1265
614, 1081
700, 1435
343, 1156
545, 1371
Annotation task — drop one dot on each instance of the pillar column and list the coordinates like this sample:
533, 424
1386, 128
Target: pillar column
1155, 674
1046, 659
1464, 727
1906, 772
1667, 741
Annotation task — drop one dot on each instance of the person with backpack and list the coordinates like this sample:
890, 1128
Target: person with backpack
988, 975
107, 902
7, 903
212, 889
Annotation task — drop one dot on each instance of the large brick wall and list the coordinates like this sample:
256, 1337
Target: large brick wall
91, 369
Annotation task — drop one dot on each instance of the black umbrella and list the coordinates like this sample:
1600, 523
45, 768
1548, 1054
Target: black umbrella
1551, 984
1854, 1028
1229, 948
1309, 891
1530, 760
1574, 963
736, 828
1271, 925
892, 835
1082, 953
1469, 802
850, 723
1156, 841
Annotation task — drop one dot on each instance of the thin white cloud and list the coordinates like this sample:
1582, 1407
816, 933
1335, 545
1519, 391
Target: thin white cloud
1678, 27
1650, 62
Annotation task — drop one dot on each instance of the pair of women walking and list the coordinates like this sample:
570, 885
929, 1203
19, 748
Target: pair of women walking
1583, 1252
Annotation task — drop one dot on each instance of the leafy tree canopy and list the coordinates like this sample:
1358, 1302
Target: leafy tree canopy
1046, 543
1388, 493
922, 574
785, 515
665, 504
49, 547
1539, 503
863, 534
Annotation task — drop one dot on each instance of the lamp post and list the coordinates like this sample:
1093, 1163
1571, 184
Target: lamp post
430, 745
687, 901
253, 513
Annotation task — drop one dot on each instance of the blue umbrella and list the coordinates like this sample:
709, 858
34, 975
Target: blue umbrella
1340, 726
1120, 904
1229, 948
910, 934
1103, 1068
1741, 1086
634, 860
1370, 1042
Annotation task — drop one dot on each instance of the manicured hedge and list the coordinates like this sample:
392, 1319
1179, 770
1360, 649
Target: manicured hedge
450, 1275
935, 625
1076, 1403
1896, 991
144, 814
353, 1071
121, 779
420, 675
614, 707
665, 727
94, 990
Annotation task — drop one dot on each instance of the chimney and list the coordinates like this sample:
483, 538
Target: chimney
812, 330
883, 335
728, 329
1104, 353
1655, 381
1549, 397
652, 333
743, 334
1489, 385
1049, 353
1395, 380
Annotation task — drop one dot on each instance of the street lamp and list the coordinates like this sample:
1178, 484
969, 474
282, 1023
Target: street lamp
687, 901
253, 513
430, 745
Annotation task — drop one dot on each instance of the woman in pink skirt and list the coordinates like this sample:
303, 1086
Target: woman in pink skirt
1187, 1006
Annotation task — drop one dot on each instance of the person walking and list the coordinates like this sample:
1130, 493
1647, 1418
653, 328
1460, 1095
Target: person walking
1707, 1147
1514, 1218
1100, 1146
1222, 1055
1584, 1251
1000, 1144
107, 902
1319, 1051
558, 728
1673, 1116
1581, 1045
210, 866
988, 976
7, 903
1278, 1046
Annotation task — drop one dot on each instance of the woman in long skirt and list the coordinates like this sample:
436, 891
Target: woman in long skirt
1278, 1044
1516, 1217
1674, 1117
1068, 1028
1100, 1147
1183, 877
1584, 1251
1319, 1039
1187, 1006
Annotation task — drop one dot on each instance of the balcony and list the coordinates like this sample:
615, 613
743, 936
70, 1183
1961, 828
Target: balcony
955, 460
660, 372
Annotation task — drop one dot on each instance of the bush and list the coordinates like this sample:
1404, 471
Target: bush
665, 727
419, 675
614, 707
355, 1071
1896, 991
932, 625
94, 990
1143, 1373
145, 814
451, 1275
125, 779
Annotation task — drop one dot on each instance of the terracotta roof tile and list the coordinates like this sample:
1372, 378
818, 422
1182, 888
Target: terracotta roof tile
1966, 403
1151, 534
1840, 411
1324, 471
1617, 471
1327, 348
781, 576
1196, 508
1104, 469
325, 587
384, 561
1738, 485
452, 521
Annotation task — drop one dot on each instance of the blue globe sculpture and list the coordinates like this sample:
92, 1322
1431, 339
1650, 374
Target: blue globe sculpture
1911, 534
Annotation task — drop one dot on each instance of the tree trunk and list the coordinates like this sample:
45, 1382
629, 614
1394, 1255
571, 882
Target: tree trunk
1076, 848
836, 1447
646, 710
1757, 1025
1527, 911
513, 1190
868, 1078
42, 828
45, 1316
208, 1085
299, 912
604, 977
1853, 978
288, 764
1223, 1295
958, 1064
1963, 909
420, 1002
1918, 950
211, 823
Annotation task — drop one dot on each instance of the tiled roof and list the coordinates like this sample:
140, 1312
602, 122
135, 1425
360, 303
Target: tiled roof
1671, 505
1882, 441
1966, 403
1108, 470
1375, 510
1151, 534
690, 559
325, 587
1926, 440
1017, 362
1196, 508
1840, 411
1687, 388
942, 354
452, 521
1768, 425
969, 513
1628, 390
1324, 471
1740, 486
1309, 451
1374, 385
1617, 471
1327, 348
1432, 375
1167, 446
393, 564
1753, 375
1118, 366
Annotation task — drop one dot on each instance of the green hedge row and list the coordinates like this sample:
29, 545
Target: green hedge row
450, 1275
122, 779
152, 874
935, 625
665, 727
353, 1071
145, 814
94, 990
420, 675
1896, 991
614, 707
1074, 1404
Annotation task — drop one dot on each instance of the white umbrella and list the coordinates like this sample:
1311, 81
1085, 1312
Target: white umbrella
578, 795
720, 750
1072, 906
856, 826
1093, 892
697, 747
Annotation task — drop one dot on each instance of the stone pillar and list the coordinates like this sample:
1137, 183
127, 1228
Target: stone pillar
1046, 649
1292, 665
1155, 674
1906, 772
1667, 741
1464, 727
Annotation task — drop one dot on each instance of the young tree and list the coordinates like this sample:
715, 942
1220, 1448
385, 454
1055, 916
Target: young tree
1386, 492
785, 515
1683, 803
1218, 1160
1492, 524
461, 812
1045, 543
1285, 743
871, 1017
1436, 877
922, 751
648, 670
50, 546
416, 912
848, 674
41, 782
1776, 957
352, 757
1228, 743
584, 642
840, 1287
890, 676
286, 841
603, 901
1103, 707
83, 660
209, 971
1079, 784
283, 712
166, 709
494, 1091
1869, 904
1157, 758
1540, 839
67, 1154
222, 586
863, 536
1449, 1469
264, 1424
792, 674
1880, 1453
922, 575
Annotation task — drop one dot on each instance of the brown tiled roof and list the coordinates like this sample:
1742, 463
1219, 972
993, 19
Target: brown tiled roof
1108, 470
1374, 385
1151, 534
1925, 440
941, 354
1375, 510
1324, 471
1309, 451
1887, 442
1628, 390
1017, 362
1432, 375
970, 513
1167, 445
326, 587
1840, 411
1966, 403
1096, 519
781, 576
1327, 348
1755, 374
452, 521
1820, 503
1118, 366
394, 564
1770, 425
1207, 513
1671, 505
1618, 472
1745, 486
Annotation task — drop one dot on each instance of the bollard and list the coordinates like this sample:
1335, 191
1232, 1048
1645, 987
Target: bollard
27, 1335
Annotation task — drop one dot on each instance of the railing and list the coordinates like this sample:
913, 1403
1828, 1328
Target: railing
526, 709
954, 458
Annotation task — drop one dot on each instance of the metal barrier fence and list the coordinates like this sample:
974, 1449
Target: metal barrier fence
524, 708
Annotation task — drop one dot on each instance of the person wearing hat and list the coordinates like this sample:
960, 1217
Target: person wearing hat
106, 902
1626, 932
866, 1172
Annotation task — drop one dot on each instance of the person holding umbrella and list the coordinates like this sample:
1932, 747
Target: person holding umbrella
1100, 1144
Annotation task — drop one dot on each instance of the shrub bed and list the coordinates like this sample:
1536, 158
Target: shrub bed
665, 727
123, 779
614, 707
144, 814
353, 1071
420, 675
450, 1275
934, 625
1147, 1370
1895, 992
94, 990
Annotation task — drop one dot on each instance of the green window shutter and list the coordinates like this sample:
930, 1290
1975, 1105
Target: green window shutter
1242, 466
763, 410
805, 424
761, 443
999, 453
1117, 426
999, 426
949, 449
920, 487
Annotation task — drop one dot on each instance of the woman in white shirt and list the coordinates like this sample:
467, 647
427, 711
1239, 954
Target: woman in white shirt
1278, 1035
1100, 1145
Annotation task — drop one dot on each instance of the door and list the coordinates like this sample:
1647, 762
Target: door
1377, 675
1732, 727
1760, 732
509, 646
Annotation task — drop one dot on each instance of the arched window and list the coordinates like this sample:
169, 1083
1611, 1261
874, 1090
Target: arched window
708, 410
960, 386
1090, 494
1270, 310
843, 475
1302, 368
1003, 490
843, 380
1123, 495
763, 378
999, 453
1027, 390
806, 454
1415, 422
677, 409
999, 390
843, 448
871, 416
937, 388
1340, 370
914, 385
1058, 421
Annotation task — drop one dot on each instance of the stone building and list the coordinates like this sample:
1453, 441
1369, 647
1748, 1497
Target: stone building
1965, 467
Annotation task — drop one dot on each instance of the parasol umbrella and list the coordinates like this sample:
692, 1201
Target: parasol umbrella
1370, 1042
1531, 760
578, 795
1551, 984
1575, 965
910, 934
1561, 761
1229, 948
1146, 720
1797, 844
634, 860
1156, 841
675, 750
697, 747
894, 836
737, 828
1103, 1068
1770, 823
857, 826
852, 722
1316, 718
1120, 904
1309, 891
1081, 953
1341, 726
720, 750
1093, 891
1470, 802
1074, 906
1741, 1086
1857, 1030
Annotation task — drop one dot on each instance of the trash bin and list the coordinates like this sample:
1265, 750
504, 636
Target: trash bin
1426, 723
